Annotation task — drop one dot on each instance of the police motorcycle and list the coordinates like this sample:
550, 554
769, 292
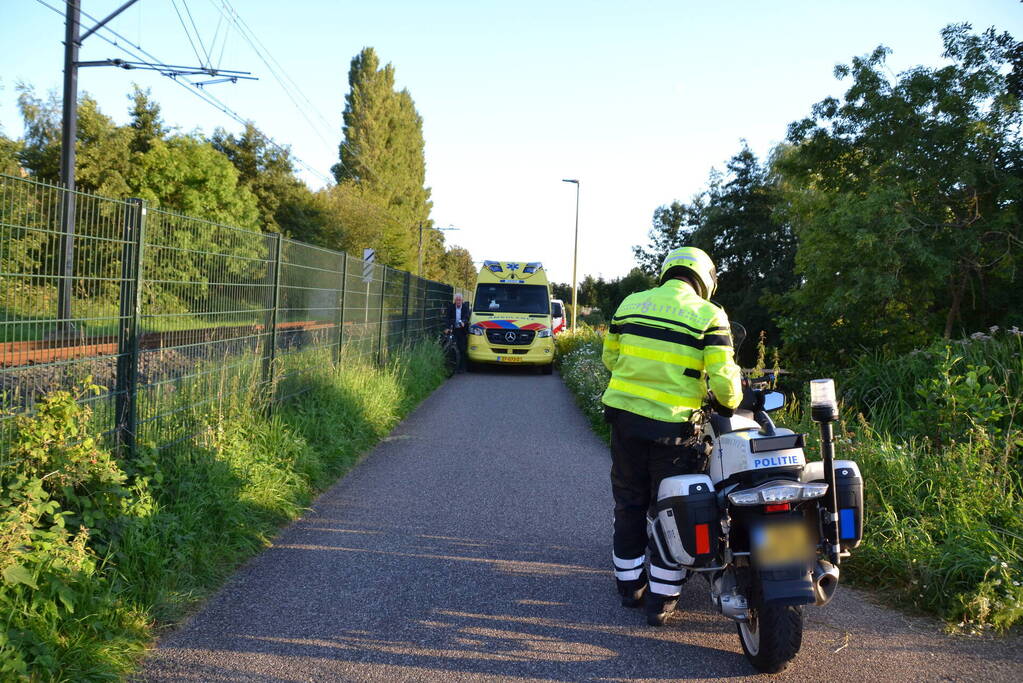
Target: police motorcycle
763, 526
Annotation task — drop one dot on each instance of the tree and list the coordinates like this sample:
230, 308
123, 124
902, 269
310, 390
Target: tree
284, 201
9, 151
735, 220
146, 124
752, 247
673, 225
459, 269
352, 220
382, 154
904, 197
562, 291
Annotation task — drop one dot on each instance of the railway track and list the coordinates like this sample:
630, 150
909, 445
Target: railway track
19, 354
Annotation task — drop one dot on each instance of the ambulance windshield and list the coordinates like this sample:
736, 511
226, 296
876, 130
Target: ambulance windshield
508, 298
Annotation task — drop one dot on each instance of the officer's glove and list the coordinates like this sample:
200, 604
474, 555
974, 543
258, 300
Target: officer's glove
752, 399
722, 410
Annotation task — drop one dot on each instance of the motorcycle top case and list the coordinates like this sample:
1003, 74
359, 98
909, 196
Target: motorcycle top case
849, 491
688, 519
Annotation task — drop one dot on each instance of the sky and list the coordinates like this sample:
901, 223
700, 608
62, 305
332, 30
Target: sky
638, 100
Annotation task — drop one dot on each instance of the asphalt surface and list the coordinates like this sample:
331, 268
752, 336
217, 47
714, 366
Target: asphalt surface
474, 545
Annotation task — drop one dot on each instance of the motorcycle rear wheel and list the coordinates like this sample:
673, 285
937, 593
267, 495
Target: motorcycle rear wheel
772, 637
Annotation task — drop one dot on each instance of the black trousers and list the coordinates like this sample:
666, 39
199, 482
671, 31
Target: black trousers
643, 452
462, 339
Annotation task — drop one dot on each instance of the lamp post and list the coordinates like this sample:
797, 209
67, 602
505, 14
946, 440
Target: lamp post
419, 270
575, 250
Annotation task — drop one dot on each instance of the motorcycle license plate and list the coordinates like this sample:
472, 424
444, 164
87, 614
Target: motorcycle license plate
508, 359
781, 543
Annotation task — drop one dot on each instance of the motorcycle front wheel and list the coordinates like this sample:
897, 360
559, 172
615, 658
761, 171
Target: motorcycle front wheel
772, 636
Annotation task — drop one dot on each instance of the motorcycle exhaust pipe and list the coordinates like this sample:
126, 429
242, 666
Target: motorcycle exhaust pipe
825, 581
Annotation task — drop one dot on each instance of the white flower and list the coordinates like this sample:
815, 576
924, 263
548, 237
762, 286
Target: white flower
993, 329
1004, 565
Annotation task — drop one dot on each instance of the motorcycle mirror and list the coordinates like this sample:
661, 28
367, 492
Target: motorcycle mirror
738, 335
773, 400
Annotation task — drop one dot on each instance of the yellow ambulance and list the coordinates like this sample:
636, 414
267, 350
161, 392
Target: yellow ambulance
511, 316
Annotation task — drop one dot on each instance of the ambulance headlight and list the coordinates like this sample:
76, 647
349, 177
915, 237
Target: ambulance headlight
543, 333
476, 330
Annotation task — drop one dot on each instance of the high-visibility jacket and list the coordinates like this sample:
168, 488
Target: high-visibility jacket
663, 347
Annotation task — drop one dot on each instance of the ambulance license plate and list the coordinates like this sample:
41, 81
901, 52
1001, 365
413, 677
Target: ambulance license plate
508, 359
781, 543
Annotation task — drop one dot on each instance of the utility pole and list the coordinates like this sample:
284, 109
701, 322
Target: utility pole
575, 251
69, 133
73, 39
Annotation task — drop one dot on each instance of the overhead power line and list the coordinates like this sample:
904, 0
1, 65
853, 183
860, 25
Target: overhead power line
287, 83
150, 61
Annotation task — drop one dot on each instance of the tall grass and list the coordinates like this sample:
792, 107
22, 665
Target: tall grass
179, 520
937, 434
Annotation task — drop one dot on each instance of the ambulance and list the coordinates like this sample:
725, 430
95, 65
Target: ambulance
511, 316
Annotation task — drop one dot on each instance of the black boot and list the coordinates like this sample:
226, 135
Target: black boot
658, 607
632, 592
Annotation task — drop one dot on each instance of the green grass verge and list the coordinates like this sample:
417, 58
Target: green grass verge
97, 559
941, 463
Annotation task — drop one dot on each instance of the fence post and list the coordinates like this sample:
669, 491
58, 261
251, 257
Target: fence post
380, 336
426, 298
341, 308
269, 372
127, 379
404, 308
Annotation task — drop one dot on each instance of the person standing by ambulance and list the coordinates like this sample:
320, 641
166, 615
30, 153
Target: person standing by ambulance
663, 347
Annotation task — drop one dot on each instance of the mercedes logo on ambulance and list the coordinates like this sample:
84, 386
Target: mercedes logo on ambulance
510, 336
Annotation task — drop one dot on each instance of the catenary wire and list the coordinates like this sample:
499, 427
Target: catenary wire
185, 83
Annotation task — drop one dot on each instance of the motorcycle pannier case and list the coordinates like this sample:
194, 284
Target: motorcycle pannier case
688, 521
849, 489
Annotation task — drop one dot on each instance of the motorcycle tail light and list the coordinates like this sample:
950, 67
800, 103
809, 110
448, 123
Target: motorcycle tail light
745, 498
778, 507
778, 492
814, 490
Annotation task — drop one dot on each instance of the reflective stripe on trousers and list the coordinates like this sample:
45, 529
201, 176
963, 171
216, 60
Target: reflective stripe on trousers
628, 569
664, 581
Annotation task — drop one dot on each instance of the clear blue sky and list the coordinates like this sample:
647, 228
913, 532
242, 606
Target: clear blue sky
636, 99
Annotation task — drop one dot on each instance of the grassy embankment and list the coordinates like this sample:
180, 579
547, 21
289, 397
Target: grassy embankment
97, 554
938, 438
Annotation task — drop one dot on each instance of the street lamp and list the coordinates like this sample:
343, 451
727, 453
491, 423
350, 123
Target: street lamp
575, 249
419, 270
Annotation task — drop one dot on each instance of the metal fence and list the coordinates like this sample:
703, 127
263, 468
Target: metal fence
178, 317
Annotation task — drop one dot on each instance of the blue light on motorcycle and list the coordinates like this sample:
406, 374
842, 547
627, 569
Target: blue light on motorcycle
847, 523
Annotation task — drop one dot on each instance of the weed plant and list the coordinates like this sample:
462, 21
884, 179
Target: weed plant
96, 554
937, 436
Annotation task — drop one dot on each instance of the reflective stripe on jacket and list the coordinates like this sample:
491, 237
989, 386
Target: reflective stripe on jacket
663, 346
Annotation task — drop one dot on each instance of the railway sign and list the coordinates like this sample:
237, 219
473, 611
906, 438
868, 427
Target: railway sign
368, 258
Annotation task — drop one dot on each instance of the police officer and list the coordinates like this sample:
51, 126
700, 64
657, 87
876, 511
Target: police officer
663, 345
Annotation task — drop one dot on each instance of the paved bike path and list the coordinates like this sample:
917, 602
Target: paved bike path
473, 544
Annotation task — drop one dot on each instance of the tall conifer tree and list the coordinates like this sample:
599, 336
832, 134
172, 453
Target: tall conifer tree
382, 154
